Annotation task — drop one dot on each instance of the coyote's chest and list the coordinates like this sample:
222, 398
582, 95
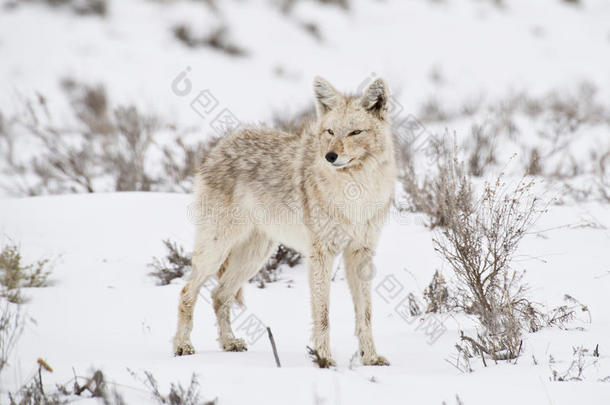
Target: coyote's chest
358, 199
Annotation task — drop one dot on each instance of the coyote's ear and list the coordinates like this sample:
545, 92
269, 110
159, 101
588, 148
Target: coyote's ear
326, 95
375, 98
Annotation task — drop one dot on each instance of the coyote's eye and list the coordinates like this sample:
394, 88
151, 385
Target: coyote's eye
330, 131
356, 132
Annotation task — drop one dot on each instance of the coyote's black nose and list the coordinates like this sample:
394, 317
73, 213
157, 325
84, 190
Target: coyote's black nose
331, 156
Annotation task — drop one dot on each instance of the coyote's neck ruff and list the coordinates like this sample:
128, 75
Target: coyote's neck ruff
323, 192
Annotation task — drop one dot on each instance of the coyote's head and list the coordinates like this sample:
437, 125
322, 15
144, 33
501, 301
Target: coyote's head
352, 129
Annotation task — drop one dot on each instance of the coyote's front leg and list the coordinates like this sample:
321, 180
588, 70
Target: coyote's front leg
360, 271
319, 283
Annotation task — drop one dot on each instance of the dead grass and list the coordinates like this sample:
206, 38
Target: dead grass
436, 295
479, 247
582, 360
604, 176
34, 392
177, 395
106, 148
563, 315
177, 263
481, 146
294, 123
218, 39
86, 388
174, 265
15, 275
11, 327
286, 6
443, 193
270, 272
478, 234
79, 7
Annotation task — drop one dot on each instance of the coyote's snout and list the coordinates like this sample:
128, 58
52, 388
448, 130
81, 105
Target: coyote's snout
323, 192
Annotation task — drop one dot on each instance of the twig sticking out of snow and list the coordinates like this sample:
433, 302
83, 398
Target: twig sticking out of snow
277, 359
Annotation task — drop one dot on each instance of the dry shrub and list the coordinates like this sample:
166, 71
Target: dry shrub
177, 263
589, 186
7, 140
217, 39
482, 150
91, 7
444, 192
436, 294
79, 7
458, 400
534, 166
33, 392
313, 29
432, 111
180, 162
557, 118
11, 327
414, 305
178, 395
286, 6
14, 275
106, 144
563, 315
582, 359
96, 386
106, 148
569, 111
294, 123
174, 265
604, 176
479, 246
270, 272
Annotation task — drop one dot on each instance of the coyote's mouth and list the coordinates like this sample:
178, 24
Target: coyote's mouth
337, 164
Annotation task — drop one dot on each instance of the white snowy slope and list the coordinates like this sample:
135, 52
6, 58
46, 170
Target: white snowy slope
103, 311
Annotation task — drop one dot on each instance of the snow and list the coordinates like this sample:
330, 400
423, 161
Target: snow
476, 46
104, 311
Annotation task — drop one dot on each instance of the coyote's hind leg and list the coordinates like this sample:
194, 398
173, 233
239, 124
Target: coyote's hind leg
244, 261
211, 250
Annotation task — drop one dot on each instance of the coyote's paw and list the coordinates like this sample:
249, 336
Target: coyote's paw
234, 345
375, 360
183, 349
325, 362
321, 357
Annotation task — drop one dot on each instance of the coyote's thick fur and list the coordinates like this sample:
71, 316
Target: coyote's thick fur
322, 192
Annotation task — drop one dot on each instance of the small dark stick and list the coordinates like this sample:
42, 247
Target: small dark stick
277, 359
519, 351
483, 358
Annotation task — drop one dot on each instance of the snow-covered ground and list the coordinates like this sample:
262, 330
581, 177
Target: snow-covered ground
104, 311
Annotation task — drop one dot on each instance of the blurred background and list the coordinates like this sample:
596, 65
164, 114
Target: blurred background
104, 95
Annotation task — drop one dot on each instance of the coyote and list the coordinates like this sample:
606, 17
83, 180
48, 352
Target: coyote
322, 192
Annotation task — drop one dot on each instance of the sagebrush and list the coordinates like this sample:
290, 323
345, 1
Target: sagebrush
15, 275
479, 247
177, 263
